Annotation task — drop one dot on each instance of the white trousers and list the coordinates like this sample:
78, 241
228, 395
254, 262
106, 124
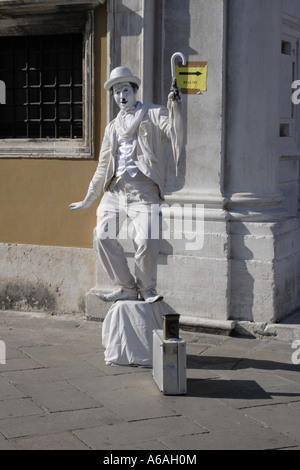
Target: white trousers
135, 201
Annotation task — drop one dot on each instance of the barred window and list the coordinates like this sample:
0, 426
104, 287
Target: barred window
47, 78
44, 86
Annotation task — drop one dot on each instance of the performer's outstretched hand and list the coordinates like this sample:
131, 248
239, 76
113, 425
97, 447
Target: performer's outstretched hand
78, 205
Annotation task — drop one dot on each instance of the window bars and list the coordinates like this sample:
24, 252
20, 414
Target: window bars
43, 78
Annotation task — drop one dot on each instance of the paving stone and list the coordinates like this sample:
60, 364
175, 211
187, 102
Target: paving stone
127, 397
122, 379
223, 353
81, 346
211, 413
152, 444
238, 390
43, 375
241, 394
58, 396
111, 437
245, 343
22, 337
254, 380
274, 358
5, 444
96, 359
251, 437
295, 405
12, 352
20, 363
53, 355
8, 390
291, 374
48, 423
60, 441
284, 418
18, 407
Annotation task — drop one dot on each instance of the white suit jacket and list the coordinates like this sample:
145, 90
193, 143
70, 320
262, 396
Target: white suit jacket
159, 124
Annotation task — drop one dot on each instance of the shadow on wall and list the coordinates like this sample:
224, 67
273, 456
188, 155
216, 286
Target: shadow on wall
176, 38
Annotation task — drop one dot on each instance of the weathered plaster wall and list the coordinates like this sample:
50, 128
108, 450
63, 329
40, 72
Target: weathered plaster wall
40, 278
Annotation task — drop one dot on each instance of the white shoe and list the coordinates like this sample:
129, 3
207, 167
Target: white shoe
151, 296
120, 294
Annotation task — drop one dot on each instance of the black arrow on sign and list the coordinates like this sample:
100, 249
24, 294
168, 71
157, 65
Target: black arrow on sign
190, 73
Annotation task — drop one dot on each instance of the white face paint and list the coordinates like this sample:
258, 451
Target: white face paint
124, 96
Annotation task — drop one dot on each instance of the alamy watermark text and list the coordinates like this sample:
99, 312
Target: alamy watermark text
2, 353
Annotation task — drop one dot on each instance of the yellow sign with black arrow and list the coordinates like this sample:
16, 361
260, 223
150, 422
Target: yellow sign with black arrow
192, 77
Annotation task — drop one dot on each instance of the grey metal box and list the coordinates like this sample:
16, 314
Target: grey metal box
169, 364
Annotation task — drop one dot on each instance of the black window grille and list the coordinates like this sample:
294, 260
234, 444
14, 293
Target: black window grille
43, 79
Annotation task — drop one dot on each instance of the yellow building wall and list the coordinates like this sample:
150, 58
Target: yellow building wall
35, 193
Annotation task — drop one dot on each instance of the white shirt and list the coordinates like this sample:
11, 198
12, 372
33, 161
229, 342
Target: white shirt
124, 160
125, 145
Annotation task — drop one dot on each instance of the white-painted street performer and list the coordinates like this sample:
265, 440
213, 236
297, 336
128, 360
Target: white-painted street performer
130, 172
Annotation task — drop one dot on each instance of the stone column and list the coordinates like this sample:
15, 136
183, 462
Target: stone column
252, 107
260, 227
199, 277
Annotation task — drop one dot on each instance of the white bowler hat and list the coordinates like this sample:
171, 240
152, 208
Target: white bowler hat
119, 75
